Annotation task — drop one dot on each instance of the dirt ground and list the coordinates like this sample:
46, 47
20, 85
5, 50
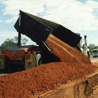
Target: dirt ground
95, 62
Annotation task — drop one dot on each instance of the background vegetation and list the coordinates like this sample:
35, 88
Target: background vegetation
12, 42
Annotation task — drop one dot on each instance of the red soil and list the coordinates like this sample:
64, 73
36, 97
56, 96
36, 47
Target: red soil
74, 65
65, 52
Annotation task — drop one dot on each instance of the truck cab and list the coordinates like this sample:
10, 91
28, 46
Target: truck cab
95, 52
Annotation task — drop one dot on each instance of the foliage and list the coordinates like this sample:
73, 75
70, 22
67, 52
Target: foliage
23, 41
12, 42
91, 45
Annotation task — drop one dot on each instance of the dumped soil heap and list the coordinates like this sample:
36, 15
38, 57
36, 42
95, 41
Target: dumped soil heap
27, 84
66, 53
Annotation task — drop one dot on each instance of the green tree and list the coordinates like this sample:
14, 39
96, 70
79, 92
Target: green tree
7, 43
91, 45
12, 42
24, 41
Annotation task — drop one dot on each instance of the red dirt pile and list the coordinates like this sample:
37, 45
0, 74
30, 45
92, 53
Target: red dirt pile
27, 84
65, 52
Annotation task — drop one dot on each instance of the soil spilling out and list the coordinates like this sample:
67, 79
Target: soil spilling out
74, 65
65, 52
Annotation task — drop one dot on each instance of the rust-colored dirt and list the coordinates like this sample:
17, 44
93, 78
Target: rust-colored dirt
27, 84
65, 52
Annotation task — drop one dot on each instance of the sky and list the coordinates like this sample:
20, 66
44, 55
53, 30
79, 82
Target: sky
80, 16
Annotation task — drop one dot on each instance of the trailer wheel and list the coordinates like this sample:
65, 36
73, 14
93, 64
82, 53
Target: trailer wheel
39, 62
38, 59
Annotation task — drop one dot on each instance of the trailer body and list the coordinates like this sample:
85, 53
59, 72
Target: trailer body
38, 30
23, 57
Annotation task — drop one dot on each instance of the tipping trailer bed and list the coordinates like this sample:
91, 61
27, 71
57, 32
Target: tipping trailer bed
38, 29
